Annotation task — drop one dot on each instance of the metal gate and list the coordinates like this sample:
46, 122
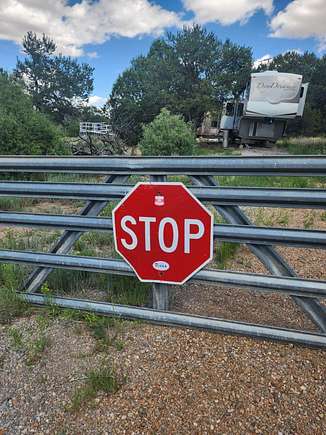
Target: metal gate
226, 200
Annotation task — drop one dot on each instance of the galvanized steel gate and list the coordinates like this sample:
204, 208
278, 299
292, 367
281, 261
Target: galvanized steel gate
226, 200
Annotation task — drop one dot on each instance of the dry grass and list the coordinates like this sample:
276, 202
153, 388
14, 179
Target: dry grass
304, 145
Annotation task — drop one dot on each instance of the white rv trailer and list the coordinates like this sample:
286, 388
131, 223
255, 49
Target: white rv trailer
261, 114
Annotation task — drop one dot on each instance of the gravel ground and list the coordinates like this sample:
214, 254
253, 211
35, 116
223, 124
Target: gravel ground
177, 381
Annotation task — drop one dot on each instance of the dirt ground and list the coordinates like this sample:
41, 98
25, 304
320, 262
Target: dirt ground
173, 380
177, 381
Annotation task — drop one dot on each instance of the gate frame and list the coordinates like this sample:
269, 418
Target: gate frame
200, 170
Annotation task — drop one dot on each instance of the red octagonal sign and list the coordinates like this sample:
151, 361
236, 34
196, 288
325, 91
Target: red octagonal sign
163, 232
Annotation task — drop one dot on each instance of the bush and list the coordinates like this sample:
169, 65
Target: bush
167, 135
24, 130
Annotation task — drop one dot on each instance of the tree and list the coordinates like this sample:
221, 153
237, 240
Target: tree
233, 70
167, 135
190, 72
57, 84
313, 70
296, 63
23, 129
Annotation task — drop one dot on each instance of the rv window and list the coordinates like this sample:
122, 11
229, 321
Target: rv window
214, 124
240, 109
229, 109
301, 92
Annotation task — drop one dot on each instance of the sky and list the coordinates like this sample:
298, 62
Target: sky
108, 33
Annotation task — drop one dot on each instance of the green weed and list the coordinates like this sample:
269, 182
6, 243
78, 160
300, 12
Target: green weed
101, 380
105, 330
127, 290
16, 204
11, 305
35, 349
224, 252
303, 145
33, 343
283, 218
309, 220
263, 218
10, 275
271, 181
16, 338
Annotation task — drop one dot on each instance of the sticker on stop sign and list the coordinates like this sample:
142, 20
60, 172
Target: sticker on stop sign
163, 232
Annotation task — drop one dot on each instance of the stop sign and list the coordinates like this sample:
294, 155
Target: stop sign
163, 232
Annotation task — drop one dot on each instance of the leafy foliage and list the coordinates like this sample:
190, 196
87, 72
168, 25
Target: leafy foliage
24, 130
189, 73
167, 135
56, 83
313, 70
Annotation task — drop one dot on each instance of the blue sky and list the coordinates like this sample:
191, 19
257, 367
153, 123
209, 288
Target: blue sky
109, 33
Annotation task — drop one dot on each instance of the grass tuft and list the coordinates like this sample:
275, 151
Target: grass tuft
11, 305
36, 348
127, 290
303, 145
224, 252
105, 330
102, 380
16, 338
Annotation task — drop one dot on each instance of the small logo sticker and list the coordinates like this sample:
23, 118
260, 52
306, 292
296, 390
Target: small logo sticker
162, 266
159, 200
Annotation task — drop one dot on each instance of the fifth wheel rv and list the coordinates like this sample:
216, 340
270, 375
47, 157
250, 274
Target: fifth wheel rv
261, 114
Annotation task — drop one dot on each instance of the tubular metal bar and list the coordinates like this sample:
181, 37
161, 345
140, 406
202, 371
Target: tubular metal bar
177, 319
269, 258
293, 286
65, 243
256, 196
274, 165
228, 233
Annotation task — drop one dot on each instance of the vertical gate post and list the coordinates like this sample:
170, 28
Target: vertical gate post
161, 296
160, 292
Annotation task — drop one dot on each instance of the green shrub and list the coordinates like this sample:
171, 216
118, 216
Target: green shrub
24, 130
167, 135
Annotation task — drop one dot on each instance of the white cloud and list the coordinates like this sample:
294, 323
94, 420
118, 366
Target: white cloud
226, 11
92, 54
264, 60
301, 19
86, 22
96, 100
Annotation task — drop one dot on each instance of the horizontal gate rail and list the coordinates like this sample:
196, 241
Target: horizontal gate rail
256, 196
280, 165
292, 286
228, 233
178, 319
226, 201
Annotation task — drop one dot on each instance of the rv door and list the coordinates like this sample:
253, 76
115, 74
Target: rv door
302, 101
